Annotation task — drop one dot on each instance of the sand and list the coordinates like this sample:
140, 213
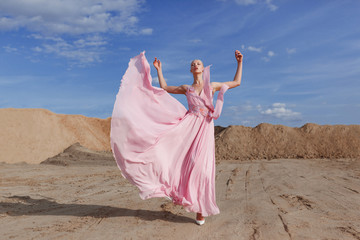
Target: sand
267, 141
79, 155
272, 182
276, 199
33, 135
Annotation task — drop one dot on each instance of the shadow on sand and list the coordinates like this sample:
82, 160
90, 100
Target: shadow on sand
25, 205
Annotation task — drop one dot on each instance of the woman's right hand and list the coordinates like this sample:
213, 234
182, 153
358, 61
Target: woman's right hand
157, 64
238, 56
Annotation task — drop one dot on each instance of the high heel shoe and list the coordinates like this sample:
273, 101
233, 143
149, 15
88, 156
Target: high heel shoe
200, 222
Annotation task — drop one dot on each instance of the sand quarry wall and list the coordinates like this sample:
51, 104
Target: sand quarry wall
267, 141
33, 135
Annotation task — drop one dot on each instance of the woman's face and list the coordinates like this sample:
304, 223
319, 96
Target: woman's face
197, 66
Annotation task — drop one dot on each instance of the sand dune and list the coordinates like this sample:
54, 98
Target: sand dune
79, 155
34, 135
267, 141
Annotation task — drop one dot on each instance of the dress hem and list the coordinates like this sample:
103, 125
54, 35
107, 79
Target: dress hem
182, 201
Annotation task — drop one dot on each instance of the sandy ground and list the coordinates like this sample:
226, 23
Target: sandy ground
276, 199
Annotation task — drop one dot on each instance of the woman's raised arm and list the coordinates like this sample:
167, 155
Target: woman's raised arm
237, 79
176, 89
170, 89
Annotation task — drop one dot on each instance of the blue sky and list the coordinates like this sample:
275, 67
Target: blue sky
301, 58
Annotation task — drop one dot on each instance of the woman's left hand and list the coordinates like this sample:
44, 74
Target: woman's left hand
238, 56
157, 64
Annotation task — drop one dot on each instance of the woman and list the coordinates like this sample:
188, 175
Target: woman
160, 146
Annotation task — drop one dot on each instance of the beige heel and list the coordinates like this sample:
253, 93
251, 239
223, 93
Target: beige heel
200, 222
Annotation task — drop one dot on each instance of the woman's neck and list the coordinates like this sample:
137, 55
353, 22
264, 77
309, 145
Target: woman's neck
198, 80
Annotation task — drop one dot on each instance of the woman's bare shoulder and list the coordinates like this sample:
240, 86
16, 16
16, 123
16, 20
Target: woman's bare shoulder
216, 86
185, 87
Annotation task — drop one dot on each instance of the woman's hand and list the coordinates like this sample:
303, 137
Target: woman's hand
157, 64
238, 56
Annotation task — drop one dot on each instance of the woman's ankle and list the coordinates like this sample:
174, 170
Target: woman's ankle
199, 216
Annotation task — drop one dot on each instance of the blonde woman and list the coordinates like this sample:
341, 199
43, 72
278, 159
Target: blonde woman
160, 146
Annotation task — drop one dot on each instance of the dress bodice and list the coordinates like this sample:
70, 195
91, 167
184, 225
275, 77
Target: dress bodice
196, 102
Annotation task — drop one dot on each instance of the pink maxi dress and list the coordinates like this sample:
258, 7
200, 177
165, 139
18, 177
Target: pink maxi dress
160, 146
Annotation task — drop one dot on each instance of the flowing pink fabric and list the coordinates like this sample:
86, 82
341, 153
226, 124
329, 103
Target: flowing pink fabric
160, 146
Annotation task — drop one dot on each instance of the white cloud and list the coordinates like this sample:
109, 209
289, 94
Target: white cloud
291, 50
71, 29
254, 49
9, 49
155, 79
240, 108
238, 112
245, 2
232, 108
71, 17
266, 59
271, 6
270, 54
279, 105
37, 49
146, 31
21, 79
80, 52
279, 110
268, 3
